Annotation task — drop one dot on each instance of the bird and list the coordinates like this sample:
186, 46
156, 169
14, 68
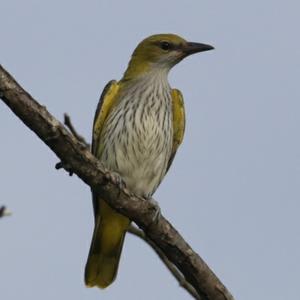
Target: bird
138, 126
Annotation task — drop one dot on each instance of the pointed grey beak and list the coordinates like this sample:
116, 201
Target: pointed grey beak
191, 48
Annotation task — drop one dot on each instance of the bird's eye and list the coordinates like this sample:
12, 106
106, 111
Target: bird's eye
165, 46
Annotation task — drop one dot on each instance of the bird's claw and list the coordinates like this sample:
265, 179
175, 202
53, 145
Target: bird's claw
157, 210
116, 179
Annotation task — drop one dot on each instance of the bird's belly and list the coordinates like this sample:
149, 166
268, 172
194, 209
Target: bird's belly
140, 154
142, 178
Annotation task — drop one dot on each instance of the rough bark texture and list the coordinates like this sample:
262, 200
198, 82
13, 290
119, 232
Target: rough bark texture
75, 155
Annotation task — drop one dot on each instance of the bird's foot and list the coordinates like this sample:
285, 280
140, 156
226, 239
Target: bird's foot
157, 210
62, 165
116, 179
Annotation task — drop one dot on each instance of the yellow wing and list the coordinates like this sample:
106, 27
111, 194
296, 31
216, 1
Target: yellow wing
107, 100
178, 122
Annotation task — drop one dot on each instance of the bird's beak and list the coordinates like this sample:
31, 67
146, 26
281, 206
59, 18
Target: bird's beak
191, 48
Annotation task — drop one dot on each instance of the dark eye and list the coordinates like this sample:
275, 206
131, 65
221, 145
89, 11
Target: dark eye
165, 46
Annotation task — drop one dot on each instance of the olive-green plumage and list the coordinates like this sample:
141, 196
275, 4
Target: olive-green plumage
138, 126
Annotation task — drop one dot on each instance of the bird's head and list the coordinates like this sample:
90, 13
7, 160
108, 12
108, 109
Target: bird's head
161, 52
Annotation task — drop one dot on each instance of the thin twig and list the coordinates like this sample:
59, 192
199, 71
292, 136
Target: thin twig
80, 138
4, 212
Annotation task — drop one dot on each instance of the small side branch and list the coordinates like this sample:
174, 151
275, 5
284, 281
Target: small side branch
80, 138
4, 212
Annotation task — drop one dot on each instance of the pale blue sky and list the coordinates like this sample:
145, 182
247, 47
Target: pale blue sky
233, 191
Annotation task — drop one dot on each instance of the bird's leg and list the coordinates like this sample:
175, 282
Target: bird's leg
157, 210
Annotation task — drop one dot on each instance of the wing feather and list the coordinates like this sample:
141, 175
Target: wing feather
107, 100
178, 122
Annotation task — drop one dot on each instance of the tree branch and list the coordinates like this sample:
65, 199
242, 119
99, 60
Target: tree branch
74, 154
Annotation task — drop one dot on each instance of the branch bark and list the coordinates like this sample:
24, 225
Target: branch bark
75, 155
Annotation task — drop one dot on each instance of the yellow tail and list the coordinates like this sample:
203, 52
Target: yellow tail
108, 237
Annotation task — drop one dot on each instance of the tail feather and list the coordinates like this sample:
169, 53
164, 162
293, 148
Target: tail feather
108, 237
